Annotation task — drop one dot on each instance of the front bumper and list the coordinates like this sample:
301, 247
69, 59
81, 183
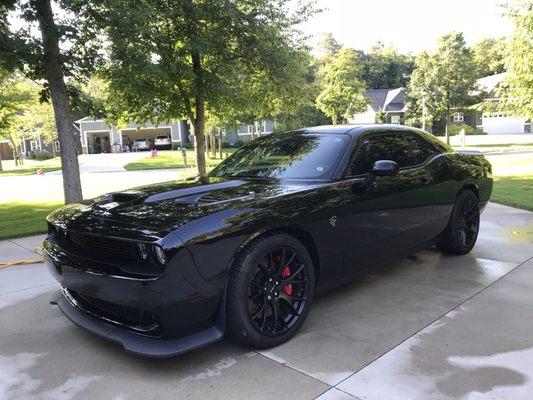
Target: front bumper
133, 343
161, 316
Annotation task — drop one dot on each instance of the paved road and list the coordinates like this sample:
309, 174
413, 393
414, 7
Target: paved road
110, 162
50, 187
428, 327
100, 173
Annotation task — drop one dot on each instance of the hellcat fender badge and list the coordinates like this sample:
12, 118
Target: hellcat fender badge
333, 221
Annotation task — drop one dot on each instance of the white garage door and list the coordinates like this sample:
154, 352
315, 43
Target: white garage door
502, 125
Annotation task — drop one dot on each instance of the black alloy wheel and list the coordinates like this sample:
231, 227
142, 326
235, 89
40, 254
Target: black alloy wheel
468, 222
460, 235
277, 291
270, 290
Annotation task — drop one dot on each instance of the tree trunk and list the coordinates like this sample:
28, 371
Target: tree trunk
59, 96
21, 157
199, 120
219, 144
213, 144
446, 121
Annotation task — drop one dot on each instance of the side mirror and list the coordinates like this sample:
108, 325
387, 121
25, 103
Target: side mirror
385, 168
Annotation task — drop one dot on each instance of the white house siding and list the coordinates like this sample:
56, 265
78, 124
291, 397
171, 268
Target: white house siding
368, 117
91, 127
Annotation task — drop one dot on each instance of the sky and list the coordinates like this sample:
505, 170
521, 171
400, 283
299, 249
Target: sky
410, 25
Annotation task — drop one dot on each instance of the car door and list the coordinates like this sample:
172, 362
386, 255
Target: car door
385, 216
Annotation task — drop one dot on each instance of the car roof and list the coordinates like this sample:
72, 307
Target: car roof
355, 130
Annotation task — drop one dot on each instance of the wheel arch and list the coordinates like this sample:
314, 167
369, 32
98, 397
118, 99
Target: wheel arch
297, 232
470, 186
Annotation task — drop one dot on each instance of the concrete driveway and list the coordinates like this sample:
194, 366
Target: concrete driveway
427, 327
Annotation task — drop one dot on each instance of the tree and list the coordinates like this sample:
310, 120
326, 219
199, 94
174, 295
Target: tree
489, 56
443, 80
329, 46
342, 87
15, 96
518, 97
40, 59
191, 59
381, 117
385, 68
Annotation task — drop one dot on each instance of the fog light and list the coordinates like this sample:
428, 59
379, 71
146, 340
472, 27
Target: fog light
143, 251
160, 254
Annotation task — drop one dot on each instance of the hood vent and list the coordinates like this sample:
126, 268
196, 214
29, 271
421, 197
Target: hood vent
125, 197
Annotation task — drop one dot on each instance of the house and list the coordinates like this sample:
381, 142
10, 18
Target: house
389, 101
392, 103
498, 122
28, 147
491, 122
5, 151
99, 137
245, 132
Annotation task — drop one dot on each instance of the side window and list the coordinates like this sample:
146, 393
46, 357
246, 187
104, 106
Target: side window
407, 149
418, 150
372, 149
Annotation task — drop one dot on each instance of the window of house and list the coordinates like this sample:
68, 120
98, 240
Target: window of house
407, 149
57, 146
458, 117
395, 119
34, 145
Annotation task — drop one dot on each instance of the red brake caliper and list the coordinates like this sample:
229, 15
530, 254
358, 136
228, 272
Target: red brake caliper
288, 287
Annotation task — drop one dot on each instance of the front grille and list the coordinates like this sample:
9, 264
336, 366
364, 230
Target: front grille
103, 245
136, 320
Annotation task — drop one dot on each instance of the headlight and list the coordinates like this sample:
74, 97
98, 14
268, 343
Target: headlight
160, 254
143, 251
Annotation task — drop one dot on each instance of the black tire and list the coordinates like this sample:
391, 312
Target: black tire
460, 234
256, 264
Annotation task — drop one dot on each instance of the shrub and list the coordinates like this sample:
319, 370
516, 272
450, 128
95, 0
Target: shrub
226, 145
41, 155
455, 129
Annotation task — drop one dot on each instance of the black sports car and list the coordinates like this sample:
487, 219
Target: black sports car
169, 267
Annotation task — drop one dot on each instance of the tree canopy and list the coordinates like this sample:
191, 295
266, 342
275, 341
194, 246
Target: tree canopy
489, 56
193, 59
342, 87
443, 80
386, 68
518, 98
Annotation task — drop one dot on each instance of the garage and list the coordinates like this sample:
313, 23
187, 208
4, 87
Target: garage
499, 124
132, 135
98, 142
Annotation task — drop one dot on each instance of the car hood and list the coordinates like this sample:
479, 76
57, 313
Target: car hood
163, 207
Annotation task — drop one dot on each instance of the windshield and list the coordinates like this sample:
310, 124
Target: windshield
286, 155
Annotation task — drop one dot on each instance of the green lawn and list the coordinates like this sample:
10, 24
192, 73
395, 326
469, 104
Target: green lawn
23, 219
30, 167
514, 191
172, 159
513, 180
